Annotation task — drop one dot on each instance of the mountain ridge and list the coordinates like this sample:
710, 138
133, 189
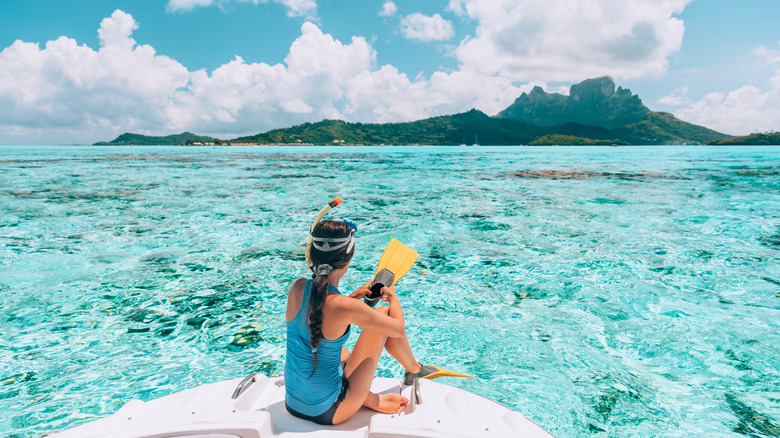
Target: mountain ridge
594, 112
168, 140
590, 102
755, 139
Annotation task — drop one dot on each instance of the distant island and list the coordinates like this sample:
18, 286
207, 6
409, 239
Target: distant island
184, 138
594, 113
769, 138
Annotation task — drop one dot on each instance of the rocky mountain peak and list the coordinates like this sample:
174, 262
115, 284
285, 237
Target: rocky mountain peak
597, 89
590, 102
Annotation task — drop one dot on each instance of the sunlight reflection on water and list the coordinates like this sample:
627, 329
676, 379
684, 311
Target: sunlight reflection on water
604, 291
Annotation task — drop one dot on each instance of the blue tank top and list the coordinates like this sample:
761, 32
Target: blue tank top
316, 394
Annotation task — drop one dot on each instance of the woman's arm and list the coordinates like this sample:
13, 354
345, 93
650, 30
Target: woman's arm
357, 312
362, 292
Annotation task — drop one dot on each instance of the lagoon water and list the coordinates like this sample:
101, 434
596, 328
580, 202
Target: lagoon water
599, 291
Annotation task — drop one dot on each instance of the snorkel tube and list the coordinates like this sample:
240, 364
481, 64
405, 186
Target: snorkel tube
329, 206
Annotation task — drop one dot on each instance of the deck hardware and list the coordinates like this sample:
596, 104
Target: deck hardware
416, 392
246, 383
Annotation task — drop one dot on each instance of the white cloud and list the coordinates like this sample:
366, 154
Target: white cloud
115, 31
570, 40
742, 111
65, 92
424, 28
71, 90
240, 98
86, 95
295, 8
676, 97
187, 5
769, 55
456, 6
300, 8
388, 9
387, 95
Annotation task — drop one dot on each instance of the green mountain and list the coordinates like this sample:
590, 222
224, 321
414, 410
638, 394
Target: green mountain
591, 102
596, 102
664, 128
594, 112
770, 138
570, 140
469, 128
185, 138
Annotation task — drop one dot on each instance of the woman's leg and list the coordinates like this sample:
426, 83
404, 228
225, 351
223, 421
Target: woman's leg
360, 370
401, 351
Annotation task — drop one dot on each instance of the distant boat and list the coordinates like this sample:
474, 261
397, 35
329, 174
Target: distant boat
476, 141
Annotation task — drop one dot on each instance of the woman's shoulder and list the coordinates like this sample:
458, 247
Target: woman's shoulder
298, 284
295, 297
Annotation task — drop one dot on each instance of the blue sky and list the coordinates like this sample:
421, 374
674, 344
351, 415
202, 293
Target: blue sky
89, 70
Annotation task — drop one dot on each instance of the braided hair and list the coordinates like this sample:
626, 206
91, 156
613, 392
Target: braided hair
322, 263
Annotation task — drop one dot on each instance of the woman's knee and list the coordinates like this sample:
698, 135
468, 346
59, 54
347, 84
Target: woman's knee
383, 309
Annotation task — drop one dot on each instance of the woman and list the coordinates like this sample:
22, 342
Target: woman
324, 382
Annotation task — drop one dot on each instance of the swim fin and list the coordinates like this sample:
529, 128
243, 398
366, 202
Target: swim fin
395, 262
431, 372
398, 259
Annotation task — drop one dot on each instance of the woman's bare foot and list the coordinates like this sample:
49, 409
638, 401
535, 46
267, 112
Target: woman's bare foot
386, 403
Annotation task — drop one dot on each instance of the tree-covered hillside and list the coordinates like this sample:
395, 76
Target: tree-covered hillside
145, 140
769, 138
596, 102
469, 128
594, 112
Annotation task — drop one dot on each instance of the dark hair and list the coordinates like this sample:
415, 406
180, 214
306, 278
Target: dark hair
319, 290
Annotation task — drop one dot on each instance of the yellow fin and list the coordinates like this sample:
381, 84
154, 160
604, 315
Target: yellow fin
397, 258
441, 372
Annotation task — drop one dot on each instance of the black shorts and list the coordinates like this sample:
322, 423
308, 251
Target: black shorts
326, 417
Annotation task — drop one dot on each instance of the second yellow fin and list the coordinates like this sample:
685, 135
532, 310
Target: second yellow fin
431, 372
441, 372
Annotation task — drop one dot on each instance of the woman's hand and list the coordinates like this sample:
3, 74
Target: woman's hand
388, 293
362, 292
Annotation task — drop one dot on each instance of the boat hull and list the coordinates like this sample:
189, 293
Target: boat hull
258, 412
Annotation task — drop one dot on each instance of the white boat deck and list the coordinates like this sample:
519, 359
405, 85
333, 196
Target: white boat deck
259, 412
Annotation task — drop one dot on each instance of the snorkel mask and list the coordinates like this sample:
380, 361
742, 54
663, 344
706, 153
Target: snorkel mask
327, 244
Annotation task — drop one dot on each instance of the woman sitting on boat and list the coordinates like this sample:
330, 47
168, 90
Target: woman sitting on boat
324, 382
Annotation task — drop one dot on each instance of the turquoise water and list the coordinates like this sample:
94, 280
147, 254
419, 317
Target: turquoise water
599, 291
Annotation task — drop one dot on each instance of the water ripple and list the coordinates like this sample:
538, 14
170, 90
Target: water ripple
600, 291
